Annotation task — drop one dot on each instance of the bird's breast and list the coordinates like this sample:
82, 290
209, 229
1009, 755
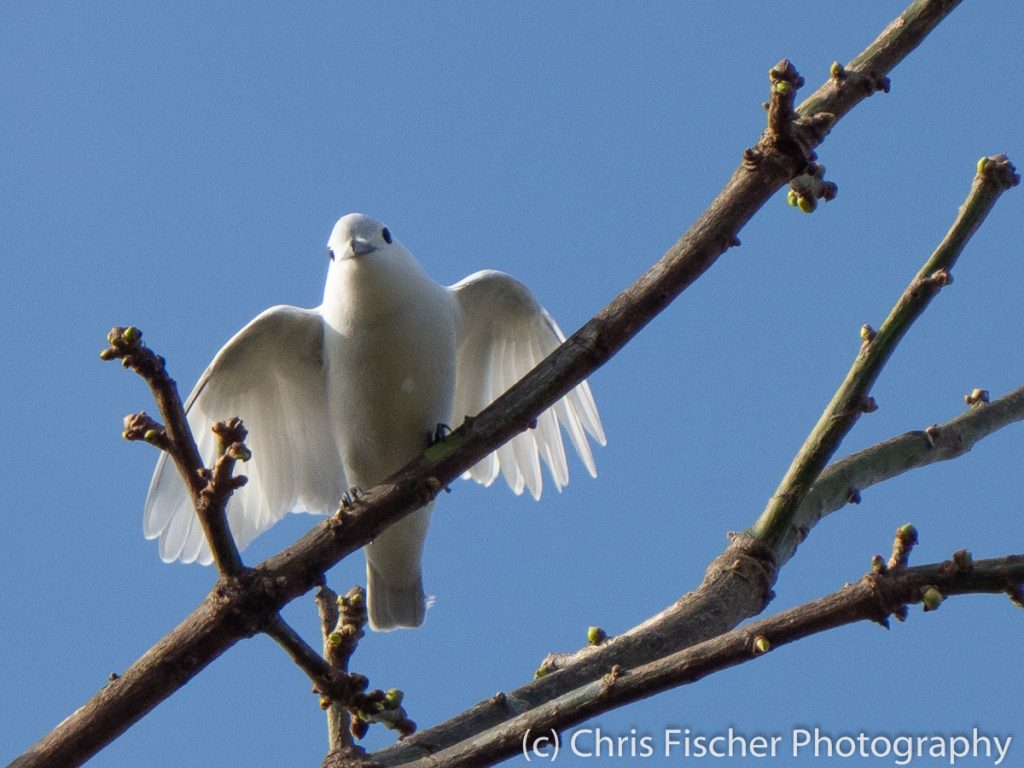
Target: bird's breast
391, 381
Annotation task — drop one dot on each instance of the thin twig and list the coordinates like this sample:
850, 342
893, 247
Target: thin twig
209, 490
843, 481
995, 175
326, 680
338, 735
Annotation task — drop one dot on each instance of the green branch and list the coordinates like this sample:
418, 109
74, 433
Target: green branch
995, 175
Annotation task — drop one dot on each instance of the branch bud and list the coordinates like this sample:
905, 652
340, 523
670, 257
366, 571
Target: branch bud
932, 598
239, 452
976, 396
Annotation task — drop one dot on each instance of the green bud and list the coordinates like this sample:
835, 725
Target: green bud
761, 644
542, 671
783, 87
836, 70
394, 697
151, 435
792, 197
907, 533
982, 165
932, 599
335, 638
806, 204
596, 635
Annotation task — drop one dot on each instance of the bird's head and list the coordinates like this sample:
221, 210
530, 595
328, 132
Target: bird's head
369, 271
357, 235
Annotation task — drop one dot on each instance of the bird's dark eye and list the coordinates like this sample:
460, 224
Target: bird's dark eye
386, 234
330, 253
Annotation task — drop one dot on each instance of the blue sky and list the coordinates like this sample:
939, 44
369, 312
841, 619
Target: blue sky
180, 168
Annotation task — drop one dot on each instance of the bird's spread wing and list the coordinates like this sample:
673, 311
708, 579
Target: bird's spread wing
505, 333
271, 375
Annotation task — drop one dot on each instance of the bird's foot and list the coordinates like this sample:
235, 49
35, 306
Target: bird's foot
351, 497
441, 431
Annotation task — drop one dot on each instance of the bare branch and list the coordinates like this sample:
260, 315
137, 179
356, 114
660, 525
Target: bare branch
738, 583
843, 480
873, 598
327, 680
337, 655
209, 491
995, 175
701, 614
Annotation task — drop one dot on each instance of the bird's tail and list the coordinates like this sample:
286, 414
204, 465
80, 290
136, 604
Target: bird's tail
391, 606
394, 577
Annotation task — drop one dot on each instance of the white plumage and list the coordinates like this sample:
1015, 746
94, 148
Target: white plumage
347, 393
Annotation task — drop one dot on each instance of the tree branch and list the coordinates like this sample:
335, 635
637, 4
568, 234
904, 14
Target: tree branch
209, 490
843, 480
995, 175
738, 582
873, 598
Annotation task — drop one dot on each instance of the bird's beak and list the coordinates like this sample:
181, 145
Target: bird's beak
361, 247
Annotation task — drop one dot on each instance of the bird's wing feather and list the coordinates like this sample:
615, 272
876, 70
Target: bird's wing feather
271, 375
505, 333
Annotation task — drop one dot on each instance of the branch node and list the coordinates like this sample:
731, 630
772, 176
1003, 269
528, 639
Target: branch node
613, 675
902, 545
963, 561
141, 426
931, 597
1000, 170
867, 335
126, 345
976, 397
940, 278
931, 434
1016, 593
810, 186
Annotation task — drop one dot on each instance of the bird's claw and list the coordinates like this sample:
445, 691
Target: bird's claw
441, 431
351, 497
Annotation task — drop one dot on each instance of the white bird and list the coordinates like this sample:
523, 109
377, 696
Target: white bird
345, 394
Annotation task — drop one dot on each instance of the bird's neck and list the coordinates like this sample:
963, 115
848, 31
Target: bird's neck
373, 287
